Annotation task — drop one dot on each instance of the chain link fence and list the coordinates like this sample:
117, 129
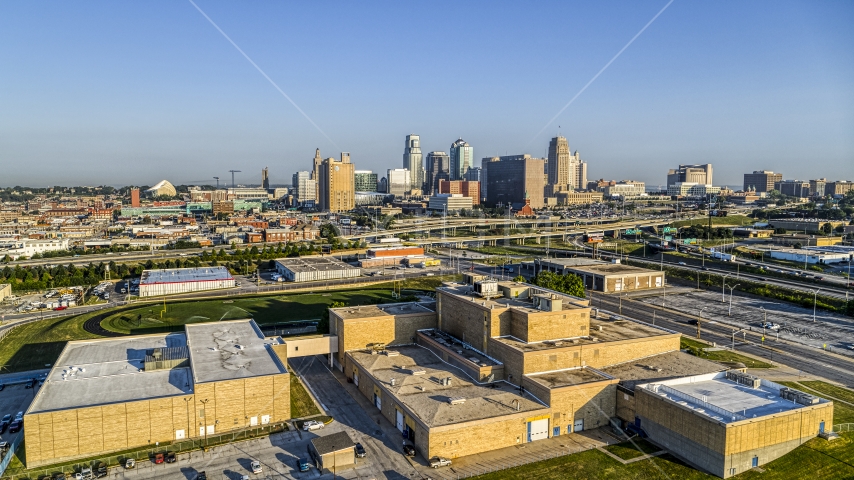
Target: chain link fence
145, 454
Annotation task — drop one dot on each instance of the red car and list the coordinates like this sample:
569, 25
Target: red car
60, 308
158, 458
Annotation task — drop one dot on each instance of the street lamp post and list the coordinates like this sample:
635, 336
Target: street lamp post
205, 420
723, 288
814, 302
699, 313
729, 313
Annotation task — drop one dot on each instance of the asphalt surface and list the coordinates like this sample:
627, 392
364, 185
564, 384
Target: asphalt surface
811, 361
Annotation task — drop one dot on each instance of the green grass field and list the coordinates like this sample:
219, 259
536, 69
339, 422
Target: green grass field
35, 345
817, 458
301, 403
696, 347
633, 449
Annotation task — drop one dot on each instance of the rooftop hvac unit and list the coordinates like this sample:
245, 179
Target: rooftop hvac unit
393, 381
419, 372
742, 378
446, 381
456, 400
391, 353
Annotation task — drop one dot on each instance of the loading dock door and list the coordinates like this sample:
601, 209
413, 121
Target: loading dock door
399, 422
579, 425
378, 401
538, 429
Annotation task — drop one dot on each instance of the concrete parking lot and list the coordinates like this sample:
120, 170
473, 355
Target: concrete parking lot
15, 398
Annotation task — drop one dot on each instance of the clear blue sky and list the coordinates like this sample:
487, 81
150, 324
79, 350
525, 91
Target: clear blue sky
133, 92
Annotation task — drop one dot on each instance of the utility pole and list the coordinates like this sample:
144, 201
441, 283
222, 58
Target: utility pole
729, 314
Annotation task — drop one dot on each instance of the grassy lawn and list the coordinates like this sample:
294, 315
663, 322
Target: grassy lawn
301, 403
815, 459
32, 346
696, 348
629, 450
421, 283
842, 412
265, 310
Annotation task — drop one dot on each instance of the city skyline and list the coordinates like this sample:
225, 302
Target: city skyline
121, 94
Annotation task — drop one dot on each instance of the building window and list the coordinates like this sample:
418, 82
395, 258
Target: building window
202, 413
296, 348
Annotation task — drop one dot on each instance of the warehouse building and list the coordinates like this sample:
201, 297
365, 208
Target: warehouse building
183, 280
389, 256
812, 257
306, 269
726, 423
493, 364
117, 394
598, 275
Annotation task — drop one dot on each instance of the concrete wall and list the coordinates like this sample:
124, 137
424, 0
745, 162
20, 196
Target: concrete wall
83, 432
470, 438
593, 402
476, 372
598, 355
539, 326
312, 345
357, 333
468, 320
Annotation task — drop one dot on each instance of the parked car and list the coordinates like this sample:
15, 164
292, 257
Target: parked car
16, 426
3, 426
170, 457
256, 466
682, 263
408, 450
130, 463
101, 470
303, 465
437, 462
201, 476
360, 451
58, 476
60, 308
159, 458
85, 474
7, 418
312, 425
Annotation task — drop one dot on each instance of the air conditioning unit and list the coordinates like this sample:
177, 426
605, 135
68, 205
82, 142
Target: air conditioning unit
457, 400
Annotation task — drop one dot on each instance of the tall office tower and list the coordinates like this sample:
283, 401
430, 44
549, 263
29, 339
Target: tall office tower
510, 181
817, 187
315, 172
337, 185
558, 163
462, 158
761, 181
365, 180
265, 178
484, 175
134, 197
413, 162
701, 174
399, 182
304, 187
438, 168
579, 178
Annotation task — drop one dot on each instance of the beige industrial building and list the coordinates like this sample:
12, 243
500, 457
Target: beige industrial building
333, 453
493, 364
306, 269
118, 394
598, 275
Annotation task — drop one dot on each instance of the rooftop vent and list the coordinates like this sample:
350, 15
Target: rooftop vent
419, 372
742, 378
390, 353
457, 400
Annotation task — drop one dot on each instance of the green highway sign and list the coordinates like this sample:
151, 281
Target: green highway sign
632, 231
668, 229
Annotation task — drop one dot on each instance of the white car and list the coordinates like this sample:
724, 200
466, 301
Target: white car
256, 466
312, 425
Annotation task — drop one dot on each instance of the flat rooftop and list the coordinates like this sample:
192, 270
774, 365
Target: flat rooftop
660, 367
612, 331
392, 309
177, 275
706, 393
567, 378
465, 292
614, 269
314, 264
106, 371
572, 262
428, 399
454, 344
230, 350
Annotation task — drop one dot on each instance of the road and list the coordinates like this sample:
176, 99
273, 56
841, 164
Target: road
812, 361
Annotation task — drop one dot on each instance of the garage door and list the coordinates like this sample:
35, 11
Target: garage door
399, 422
579, 425
538, 429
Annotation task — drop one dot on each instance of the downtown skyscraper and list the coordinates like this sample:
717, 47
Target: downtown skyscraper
566, 171
462, 158
412, 161
438, 168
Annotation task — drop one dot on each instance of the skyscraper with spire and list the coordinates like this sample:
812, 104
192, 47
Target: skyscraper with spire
566, 171
315, 172
462, 158
412, 161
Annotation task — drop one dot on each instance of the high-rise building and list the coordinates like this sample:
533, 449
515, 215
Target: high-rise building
438, 168
265, 178
701, 174
315, 172
566, 171
509, 181
761, 181
412, 161
337, 185
134, 197
365, 180
793, 188
838, 187
463, 187
462, 158
817, 187
399, 182
304, 187
474, 174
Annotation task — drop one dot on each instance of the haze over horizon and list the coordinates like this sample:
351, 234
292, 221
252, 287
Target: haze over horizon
123, 93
